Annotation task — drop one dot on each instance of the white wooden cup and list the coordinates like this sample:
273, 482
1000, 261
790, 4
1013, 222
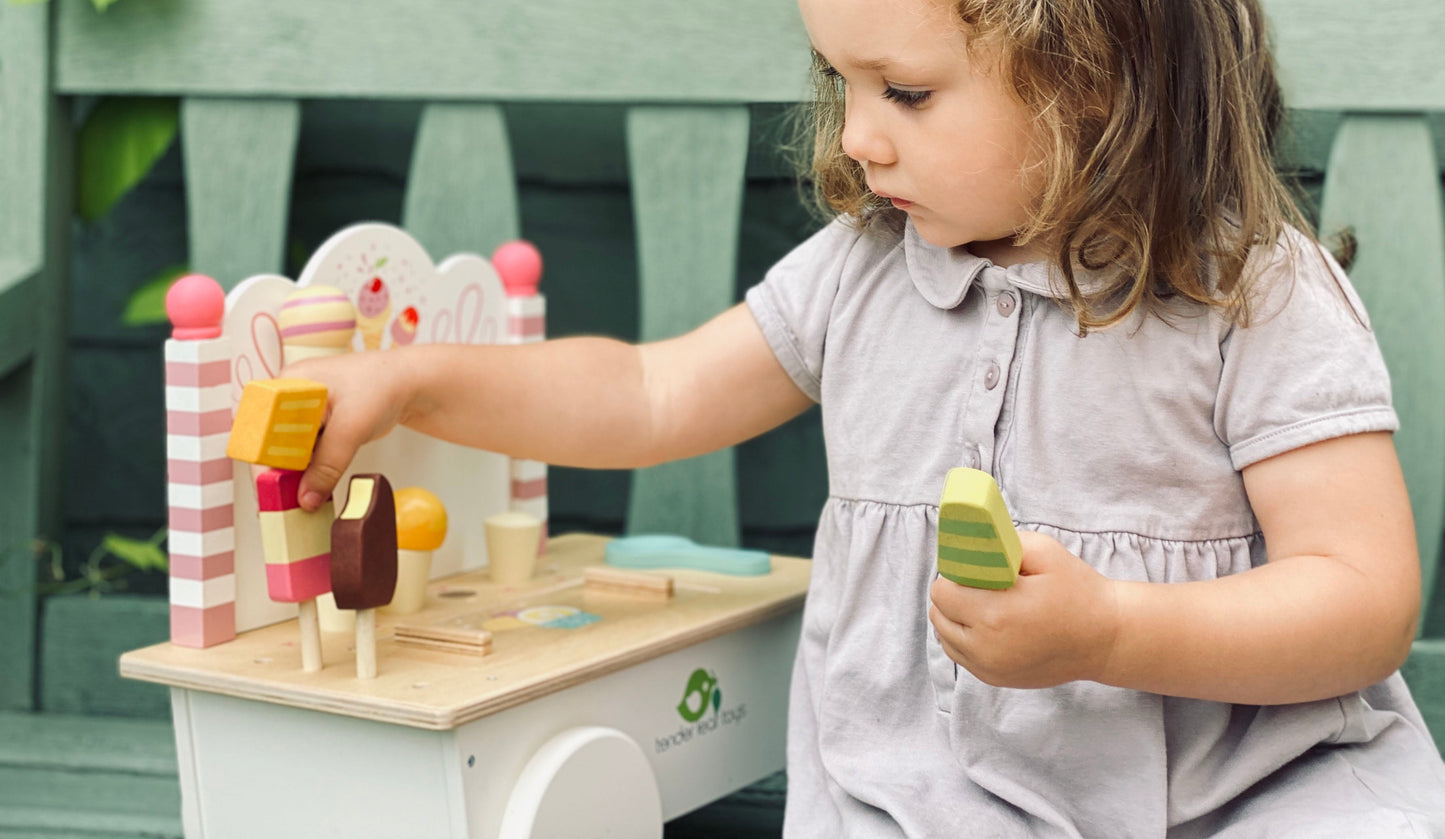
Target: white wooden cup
513, 539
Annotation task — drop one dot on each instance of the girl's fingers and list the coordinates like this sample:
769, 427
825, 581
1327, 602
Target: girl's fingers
952, 635
335, 447
959, 604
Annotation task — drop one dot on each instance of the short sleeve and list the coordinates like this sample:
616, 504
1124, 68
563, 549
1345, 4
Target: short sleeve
794, 303
1307, 368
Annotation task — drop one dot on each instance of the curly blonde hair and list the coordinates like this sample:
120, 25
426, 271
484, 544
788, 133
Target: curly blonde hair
1158, 123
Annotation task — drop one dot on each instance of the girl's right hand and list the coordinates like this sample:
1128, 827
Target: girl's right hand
367, 395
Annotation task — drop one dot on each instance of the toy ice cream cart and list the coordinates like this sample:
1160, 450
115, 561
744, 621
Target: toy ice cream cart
575, 702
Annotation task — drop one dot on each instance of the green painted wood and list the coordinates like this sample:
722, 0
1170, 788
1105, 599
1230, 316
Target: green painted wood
24, 57
19, 300
687, 169
462, 193
33, 210
67, 822
81, 799
18, 515
1382, 182
1339, 56
28, 831
1308, 137
1424, 671
579, 50
86, 776
83, 641
239, 157
80, 743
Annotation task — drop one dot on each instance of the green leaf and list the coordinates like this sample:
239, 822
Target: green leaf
147, 304
145, 555
119, 143
101, 5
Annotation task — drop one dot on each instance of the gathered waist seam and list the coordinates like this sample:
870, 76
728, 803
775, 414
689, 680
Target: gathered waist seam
1033, 523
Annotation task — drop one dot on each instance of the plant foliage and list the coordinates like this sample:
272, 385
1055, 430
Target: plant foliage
120, 141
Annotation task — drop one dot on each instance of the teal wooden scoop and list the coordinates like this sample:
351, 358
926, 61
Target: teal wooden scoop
666, 551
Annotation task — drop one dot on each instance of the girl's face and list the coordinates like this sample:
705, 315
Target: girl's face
932, 124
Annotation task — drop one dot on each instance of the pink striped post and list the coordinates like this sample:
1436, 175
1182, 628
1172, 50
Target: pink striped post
520, 267
202, 538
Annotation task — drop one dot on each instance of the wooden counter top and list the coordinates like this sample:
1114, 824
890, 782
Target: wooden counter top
431, 689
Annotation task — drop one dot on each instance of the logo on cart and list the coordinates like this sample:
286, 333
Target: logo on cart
701, 710
701, 694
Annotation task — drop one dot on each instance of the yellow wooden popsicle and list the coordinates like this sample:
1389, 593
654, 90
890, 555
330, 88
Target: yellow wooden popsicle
977, 543
277, 422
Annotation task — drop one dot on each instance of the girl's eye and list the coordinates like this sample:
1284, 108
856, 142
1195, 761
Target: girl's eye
906, 98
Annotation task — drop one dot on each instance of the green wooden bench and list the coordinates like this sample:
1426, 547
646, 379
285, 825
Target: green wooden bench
686, 74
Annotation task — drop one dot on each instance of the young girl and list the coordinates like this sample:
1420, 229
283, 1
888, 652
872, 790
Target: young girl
1062, 257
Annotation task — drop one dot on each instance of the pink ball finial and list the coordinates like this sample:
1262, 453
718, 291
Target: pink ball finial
520, 265
195, 304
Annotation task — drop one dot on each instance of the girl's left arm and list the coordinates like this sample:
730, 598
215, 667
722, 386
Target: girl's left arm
1333, 610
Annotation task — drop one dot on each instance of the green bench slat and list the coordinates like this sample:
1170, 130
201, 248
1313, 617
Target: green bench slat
67, 823
1381, 182
1424, 671
82, 643
24, 102
1332, 57
19, 305
239, 157
88, 743
92, 777
17, 522
687, 171
28, 391
461, 195
561, 50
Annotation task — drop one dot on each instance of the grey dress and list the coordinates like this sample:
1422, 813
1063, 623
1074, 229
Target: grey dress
1126, 446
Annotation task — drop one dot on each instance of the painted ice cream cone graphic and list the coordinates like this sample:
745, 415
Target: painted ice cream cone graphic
373, 312
316, 321
403, 329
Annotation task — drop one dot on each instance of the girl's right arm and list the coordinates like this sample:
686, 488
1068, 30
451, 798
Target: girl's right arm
586, 402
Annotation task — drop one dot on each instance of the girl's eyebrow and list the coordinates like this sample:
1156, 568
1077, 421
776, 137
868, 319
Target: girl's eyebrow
874, 64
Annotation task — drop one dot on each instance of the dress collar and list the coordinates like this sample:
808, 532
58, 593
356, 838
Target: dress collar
944, 275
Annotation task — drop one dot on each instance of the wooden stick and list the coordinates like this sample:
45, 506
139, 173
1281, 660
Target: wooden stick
310, 625
366, 643
626, 581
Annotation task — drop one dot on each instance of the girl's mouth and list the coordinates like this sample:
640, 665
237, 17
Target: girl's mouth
898, 203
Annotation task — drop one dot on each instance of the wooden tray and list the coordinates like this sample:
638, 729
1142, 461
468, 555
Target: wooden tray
547, 635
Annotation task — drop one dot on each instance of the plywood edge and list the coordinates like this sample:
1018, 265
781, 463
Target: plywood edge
135, 665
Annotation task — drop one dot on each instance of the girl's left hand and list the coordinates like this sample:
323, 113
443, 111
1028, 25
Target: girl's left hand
1056, 624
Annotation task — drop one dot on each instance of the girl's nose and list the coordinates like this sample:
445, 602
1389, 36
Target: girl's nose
863, 140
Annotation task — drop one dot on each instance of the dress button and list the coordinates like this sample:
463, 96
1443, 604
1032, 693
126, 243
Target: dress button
1006, 304
990, 376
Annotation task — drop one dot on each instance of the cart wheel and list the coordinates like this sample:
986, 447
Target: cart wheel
585, 782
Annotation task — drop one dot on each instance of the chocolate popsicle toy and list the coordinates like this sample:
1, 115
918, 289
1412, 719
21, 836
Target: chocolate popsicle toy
363, 560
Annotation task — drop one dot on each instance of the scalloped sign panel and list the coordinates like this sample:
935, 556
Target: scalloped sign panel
402, 298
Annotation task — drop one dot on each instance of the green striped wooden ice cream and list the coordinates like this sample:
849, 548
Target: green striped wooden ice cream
977, 543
